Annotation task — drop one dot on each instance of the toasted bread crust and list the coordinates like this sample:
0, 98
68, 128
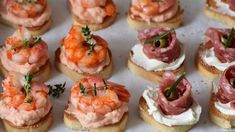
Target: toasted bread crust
105, 73
93, 27
210, 72
218, 118
41, 126
153, 76
224, 18
73, 123
138, 23
143, 111
36, 31
42, 75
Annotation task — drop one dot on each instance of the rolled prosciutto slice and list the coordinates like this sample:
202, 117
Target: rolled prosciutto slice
224, 54
226, 92
166, 54
183, 100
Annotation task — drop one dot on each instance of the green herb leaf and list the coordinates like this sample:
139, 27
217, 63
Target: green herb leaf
228, 42
29, 43
174, 85
82, 89
105, 85
157, 38
88, 36
27, 85
95, 89
56, 90
29, 100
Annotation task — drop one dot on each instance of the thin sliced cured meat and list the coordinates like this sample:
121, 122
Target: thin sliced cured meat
226, 92
184, 100
225, 55
167, 54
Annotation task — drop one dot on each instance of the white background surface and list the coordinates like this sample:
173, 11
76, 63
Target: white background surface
121, 38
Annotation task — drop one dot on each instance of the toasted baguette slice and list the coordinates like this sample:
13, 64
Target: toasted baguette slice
209, 72
153, 76
42, 126
138, 23
105, 73
224, 18
36, 31
218, 118
93, 27
144, 114
42, 75
72, 123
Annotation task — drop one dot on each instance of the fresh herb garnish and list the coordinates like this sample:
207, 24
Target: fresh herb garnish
105, 85
169, 91
95, 89
27, 86
88, 39
227, 40
82, 89
29, 100
26, 1
157, 38
56, 90
29, 43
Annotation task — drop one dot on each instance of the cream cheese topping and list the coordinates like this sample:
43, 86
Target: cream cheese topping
222, 8
210, 59
223, 108
140, 59
189, 117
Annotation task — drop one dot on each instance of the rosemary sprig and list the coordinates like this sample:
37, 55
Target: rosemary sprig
82, 89
157, 38
95, 89
88, 36
56, 90
27, 87
29, 43
105, 85
228, 41
174, 85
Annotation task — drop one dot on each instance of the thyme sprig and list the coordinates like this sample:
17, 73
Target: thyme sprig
157, 38
227, 40
56, 90
88, 39
27, 87
82, 89
169, 91
95, 89
30, 43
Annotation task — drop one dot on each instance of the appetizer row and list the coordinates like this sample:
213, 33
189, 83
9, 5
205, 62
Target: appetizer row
98, 105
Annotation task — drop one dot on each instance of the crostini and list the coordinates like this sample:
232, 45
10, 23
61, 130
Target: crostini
216, 53
221, 105
82, 54
170, 107
97, 14
221, 10
24, 53
25, 105
158, 51
97, 105
155, 13
35, 15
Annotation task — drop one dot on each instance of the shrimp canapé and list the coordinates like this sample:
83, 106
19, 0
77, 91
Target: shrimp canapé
92, 11
24, 51
84, 52
23, 102
96, 102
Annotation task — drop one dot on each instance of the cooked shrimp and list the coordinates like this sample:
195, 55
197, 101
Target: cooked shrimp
108, 98
92, 3
23, 8
19, 52
152, 7
15, 97
77, 50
